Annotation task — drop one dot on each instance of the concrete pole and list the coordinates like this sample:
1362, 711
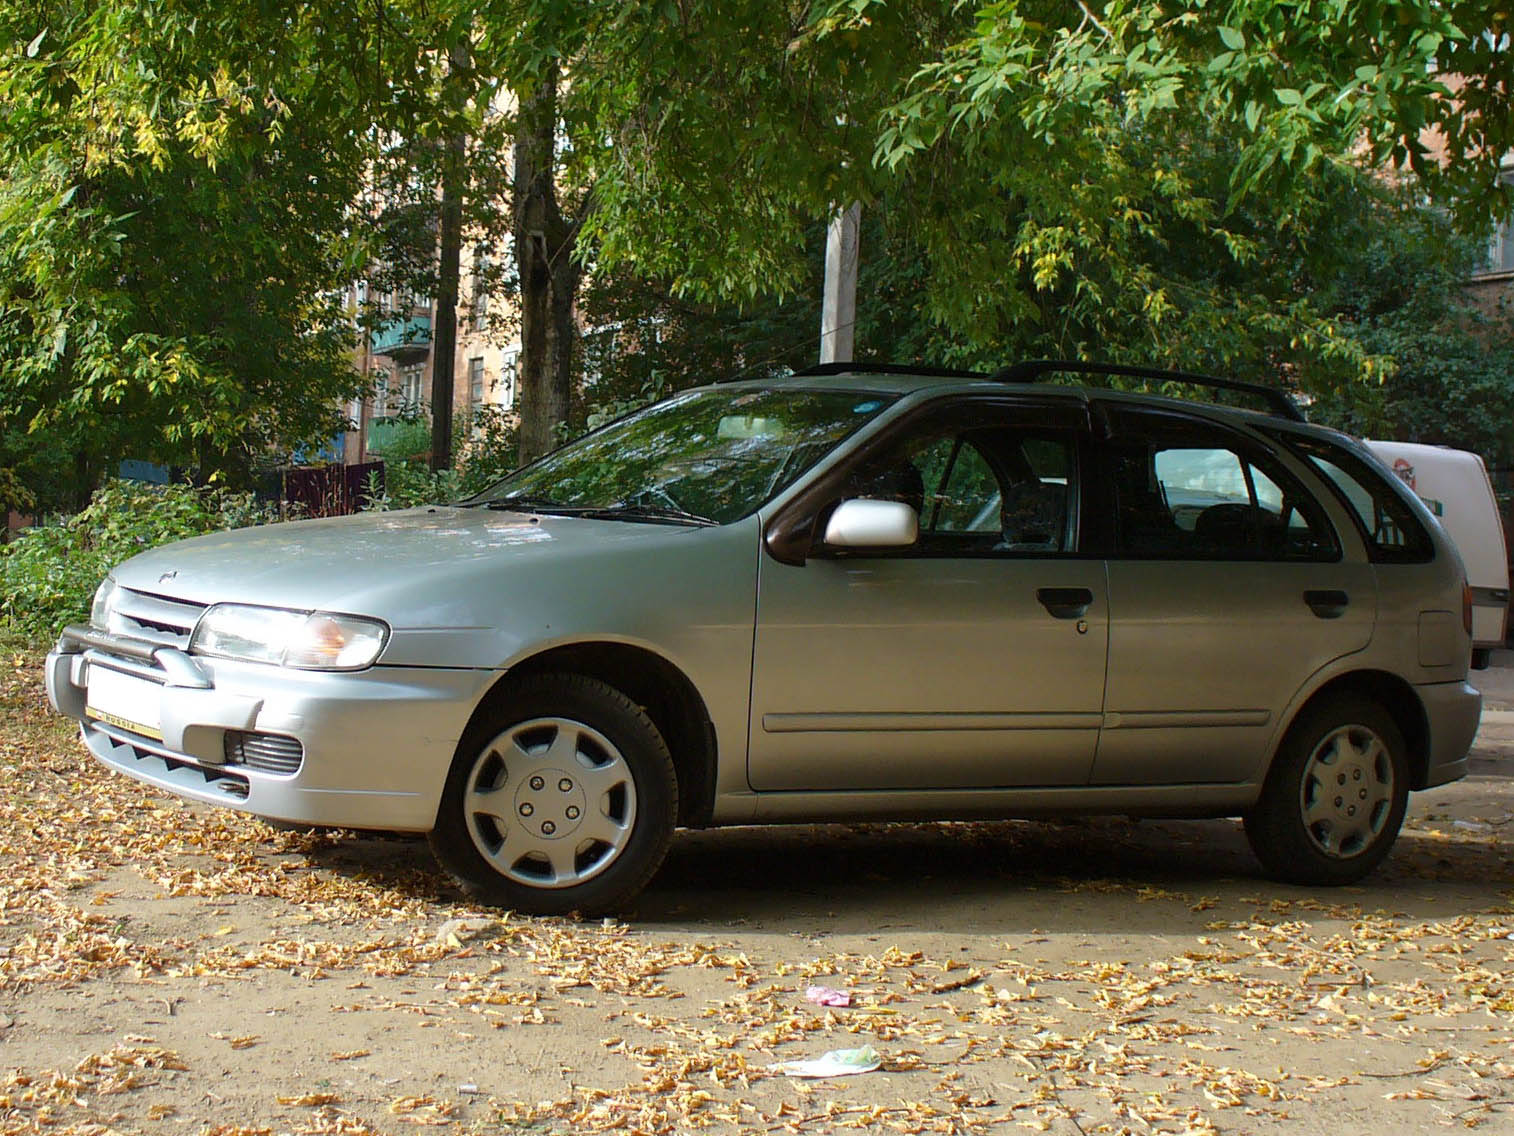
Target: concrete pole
838, 313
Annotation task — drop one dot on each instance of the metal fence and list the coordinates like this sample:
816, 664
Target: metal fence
331, 490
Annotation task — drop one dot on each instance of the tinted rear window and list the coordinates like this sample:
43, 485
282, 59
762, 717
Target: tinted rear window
1392, 532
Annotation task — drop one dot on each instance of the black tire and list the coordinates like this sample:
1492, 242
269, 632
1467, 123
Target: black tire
592, 800
1335, 796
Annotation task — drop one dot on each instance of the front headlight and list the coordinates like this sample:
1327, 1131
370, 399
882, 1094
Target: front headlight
104, 605
306, 640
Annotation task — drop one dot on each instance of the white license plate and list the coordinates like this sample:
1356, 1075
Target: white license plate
125, 700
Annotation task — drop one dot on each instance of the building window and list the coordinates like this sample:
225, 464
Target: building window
598, 346
412, 379
476, 381
478, 319
1501, 246
381, 392
509, 375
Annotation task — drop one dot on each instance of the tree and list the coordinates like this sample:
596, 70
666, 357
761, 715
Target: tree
1126, 179
1401, 293
183, 193
547, 260
664, 341
485, 159
449, 258
177, 222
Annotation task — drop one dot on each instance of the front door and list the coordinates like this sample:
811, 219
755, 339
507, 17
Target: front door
974, 658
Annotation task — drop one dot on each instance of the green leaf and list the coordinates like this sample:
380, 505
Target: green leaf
1232, 38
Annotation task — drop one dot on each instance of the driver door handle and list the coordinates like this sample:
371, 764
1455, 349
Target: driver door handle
1065, 603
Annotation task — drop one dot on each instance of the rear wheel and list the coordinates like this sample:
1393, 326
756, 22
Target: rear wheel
1335, 796
563, 798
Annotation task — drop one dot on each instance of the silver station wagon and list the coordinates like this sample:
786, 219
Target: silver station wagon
855, 593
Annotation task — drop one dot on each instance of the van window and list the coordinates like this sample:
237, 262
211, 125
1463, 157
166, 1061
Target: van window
1393, 533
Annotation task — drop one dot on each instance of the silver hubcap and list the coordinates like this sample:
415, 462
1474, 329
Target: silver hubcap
1347, 791
550, 803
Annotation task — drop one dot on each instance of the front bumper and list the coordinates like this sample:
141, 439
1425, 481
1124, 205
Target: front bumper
376, 744
1453, 710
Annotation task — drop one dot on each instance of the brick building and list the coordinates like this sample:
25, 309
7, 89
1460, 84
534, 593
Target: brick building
398, 356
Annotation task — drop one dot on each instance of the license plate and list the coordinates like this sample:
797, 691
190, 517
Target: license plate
125, 700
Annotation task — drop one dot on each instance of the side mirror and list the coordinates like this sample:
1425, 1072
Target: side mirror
863, 523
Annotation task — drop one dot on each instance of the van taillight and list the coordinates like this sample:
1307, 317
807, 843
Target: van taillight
1466, 607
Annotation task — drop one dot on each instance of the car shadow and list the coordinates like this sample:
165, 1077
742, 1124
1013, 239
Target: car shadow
1163, 877
1084, 875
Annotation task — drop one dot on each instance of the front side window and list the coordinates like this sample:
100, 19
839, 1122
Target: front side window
713, 454
1188, 491
981, 489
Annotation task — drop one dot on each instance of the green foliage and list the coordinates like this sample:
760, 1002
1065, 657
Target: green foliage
485, 444
600, 413
404, 437
1402, 294
14, 494
180, 211
49, 573
411, 483
186, 192
1144, 181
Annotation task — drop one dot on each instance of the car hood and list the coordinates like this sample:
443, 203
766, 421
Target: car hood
362, 563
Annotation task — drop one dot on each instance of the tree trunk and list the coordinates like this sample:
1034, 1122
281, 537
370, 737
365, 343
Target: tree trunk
444, 334
549, 274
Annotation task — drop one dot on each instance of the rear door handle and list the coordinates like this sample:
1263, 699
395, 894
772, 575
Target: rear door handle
1065, 603
1327, 603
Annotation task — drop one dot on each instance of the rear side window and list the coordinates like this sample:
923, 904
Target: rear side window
1188, 491
1393, 533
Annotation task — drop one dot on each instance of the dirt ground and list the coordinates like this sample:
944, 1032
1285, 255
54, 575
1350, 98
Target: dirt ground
171, 969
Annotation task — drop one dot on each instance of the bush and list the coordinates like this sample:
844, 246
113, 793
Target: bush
489, 448
404, 437
485, 444
411, 483
48, 574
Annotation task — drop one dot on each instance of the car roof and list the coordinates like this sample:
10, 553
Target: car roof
901, 381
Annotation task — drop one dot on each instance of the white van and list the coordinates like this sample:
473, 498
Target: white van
1456, 487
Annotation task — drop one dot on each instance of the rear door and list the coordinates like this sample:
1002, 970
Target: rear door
1227, 589
974, 658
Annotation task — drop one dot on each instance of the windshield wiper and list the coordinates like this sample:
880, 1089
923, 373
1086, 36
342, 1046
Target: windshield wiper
532, 503
646, 511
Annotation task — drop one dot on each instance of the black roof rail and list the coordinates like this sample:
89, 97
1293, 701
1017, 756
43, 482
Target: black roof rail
889, 369
1031, 371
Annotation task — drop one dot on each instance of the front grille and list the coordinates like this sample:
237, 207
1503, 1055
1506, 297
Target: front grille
267, 753
155, 618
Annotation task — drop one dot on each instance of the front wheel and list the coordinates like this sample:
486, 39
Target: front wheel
1334, 798
561, 799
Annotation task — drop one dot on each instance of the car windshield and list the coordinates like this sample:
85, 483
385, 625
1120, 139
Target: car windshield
706, 456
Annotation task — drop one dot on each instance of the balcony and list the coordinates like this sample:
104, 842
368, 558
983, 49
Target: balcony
404, 338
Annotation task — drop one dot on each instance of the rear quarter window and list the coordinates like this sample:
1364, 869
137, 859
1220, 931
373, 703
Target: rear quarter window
1394, 535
